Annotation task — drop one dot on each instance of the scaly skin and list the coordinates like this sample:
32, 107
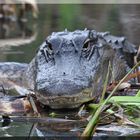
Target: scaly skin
70, 67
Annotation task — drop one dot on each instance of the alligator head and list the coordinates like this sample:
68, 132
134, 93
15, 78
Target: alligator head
67, 64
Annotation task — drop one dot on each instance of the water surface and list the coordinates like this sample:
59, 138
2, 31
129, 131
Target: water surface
121, 20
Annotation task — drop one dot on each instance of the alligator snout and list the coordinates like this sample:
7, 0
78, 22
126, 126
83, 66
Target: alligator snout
64, 93
62, 87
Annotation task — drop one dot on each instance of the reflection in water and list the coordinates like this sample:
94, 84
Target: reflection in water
61, 128
17, 41
15, 33
130, 19
16, 129
43, 126
11, 11
15, 30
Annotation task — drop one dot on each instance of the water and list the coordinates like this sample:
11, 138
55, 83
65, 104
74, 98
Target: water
121, 20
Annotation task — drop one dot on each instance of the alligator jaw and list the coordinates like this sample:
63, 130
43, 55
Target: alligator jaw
59, 102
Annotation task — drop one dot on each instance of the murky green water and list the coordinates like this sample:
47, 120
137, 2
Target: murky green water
121, 20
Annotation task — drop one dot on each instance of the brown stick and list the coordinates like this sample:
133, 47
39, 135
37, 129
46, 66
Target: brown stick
132, 75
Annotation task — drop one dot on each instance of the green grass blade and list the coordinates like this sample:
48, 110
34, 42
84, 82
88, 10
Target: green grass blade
106, 82
138, 94
125, 99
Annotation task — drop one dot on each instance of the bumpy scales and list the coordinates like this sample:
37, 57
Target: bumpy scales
70, 67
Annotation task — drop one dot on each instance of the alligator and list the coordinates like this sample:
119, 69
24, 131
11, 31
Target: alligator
70, 67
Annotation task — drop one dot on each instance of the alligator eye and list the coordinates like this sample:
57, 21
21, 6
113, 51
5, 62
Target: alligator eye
49, 48
47, 51
86, 44
88, 48
45, 54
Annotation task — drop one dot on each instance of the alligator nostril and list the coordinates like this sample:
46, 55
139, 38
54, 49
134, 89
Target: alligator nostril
64, 73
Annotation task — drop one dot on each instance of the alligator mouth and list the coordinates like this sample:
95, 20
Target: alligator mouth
67, 101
